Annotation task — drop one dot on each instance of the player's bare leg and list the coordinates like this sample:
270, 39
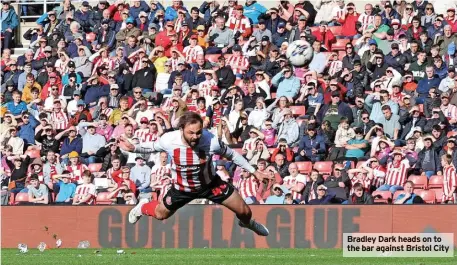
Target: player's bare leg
237, 205
155, 209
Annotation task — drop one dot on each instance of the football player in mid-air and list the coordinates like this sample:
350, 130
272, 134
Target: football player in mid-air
191, 149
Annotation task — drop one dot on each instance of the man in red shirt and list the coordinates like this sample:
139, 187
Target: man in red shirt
163, 37
324, 35
348, 22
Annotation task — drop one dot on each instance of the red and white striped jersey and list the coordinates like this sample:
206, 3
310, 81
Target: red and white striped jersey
237, 62
338, 12
231, 12
204, 88
191, 53
84, 190
107, 112
192, 167
144, 135
250, 144
113, 174
108, 62
247, 187
379, 174
449, 182
449, 111
335, 67
174, 64
238, 24
178, 24
77, 172
396, 174
157, 171
138, 65
366, 20
291, 182
191, 104
312, 193
362, 179
59, 120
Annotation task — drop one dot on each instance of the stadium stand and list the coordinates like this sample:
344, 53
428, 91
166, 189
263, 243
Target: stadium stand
377, 105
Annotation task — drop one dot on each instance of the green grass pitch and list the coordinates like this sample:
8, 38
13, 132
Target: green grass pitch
205, 256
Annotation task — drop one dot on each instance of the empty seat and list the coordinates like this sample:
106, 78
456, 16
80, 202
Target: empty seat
304, 167
384, 197
435, 182
21, 197
420, 181
324, 167
102, 199
95, 167
427, 195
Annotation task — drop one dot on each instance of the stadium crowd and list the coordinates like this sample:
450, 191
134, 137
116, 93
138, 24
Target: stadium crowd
372, 118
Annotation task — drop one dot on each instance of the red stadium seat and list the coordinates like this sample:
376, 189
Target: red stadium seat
439, 195
314, 28
386, 196
420, 181
340, 45
304, 167
324, 167
102, 199
427, 195
33, 153
298, 110
396, 194
21, 197
435, 182
336, 30
96, 167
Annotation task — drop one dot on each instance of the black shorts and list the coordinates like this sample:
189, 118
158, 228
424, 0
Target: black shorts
218, 191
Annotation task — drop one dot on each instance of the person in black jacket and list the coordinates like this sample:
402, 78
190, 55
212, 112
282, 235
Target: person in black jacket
360, 196
339, 182
323, 197
109, 153
409, 120
250, 99
350, 58
19, 166
272, 19
377, 66
145, 78
310, 191
224, 74
47, 139
428, 162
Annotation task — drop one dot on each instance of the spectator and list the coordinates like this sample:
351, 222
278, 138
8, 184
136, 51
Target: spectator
428, 162
66, 189
248, 186
322, 196
38, 193
289, 129
277, 196
141, 175
288, 85
325, 36
311, 146
85, 193
360, 196
408, 197
396, 172
334, 111
92, 142
10, 21
18, 165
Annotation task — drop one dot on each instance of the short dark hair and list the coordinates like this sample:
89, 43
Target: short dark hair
386, 107
189, 118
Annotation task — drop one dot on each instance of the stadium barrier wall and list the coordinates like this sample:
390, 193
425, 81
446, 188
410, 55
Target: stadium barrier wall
198, 226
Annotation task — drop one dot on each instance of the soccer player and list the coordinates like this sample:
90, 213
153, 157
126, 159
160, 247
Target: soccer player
191, 149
